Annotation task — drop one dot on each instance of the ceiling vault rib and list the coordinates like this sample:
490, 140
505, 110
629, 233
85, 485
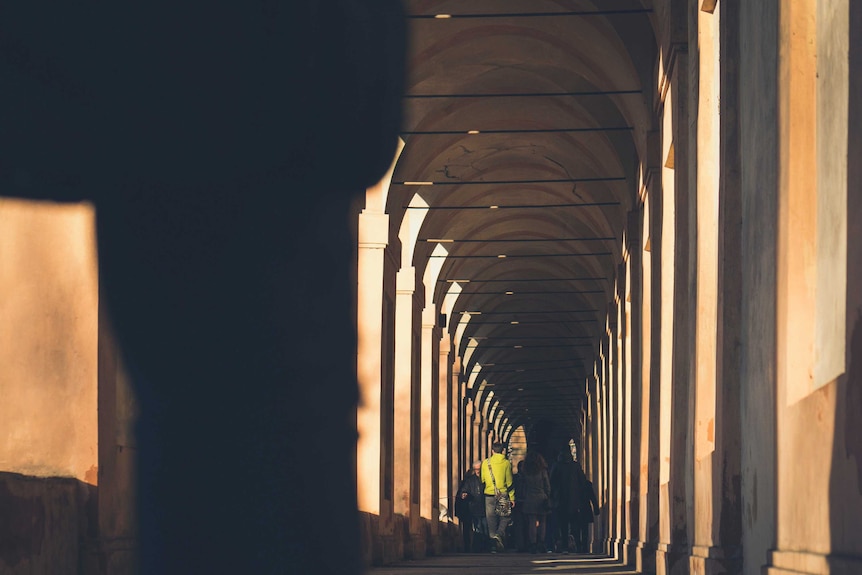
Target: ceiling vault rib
515, 131
618, 12
568, 346
543, 362
527, 94
515, 207
522, 293
554, 337
544, 380
523, 312
507, 182
532, 322
504, 280
580, 374
500, 256
515, 240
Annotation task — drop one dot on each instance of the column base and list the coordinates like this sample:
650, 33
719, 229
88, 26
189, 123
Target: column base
715, 560
391, 549
797, 563
620, 548
613, 547
416, 545
671, 559
629, 552
645, 558
113, 555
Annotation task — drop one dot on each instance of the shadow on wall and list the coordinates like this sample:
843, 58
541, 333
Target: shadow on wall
847, 454
46, 524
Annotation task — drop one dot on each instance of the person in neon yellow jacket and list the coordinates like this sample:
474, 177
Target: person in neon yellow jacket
502, 476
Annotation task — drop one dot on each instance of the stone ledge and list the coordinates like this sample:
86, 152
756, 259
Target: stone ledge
805, 563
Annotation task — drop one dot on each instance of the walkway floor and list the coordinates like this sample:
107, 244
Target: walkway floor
507, 564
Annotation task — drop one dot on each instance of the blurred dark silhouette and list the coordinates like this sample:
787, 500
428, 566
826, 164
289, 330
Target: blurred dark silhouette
222, 145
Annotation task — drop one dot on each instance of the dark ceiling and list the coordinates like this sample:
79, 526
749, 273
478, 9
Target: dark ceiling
558, 92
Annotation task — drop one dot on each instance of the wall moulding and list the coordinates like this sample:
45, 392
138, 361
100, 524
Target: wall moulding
801, 563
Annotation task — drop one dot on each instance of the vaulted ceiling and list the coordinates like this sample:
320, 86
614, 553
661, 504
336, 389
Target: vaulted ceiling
524, 124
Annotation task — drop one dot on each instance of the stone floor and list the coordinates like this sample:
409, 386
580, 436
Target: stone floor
507, 564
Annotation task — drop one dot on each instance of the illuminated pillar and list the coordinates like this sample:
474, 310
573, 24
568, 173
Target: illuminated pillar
428, 398
403, 429
373, 233
446, 411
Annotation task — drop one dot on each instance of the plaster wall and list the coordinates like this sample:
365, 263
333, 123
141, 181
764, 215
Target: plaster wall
48, 340
820, 496
48, 384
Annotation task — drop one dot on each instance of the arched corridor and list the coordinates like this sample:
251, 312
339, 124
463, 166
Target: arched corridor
627, 230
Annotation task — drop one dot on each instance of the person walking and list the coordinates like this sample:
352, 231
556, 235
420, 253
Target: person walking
588, 507
470, 509
535, 499
497, 477
518, 525
565, 500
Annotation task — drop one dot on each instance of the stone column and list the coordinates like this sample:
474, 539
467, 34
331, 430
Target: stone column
479, 433
634, 330
117, 413
403, 429
727, 495
758, 145
677, 285
427, 423
598, 460
651, 356
677, 512
615, 366
625, 375
373, 238
599, 465
608, 441
717, 531
458, 439
446, 400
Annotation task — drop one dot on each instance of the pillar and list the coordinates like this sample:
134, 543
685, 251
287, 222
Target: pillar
403, 399
634, 332
427, 420
373, 238
650, 463
445, 415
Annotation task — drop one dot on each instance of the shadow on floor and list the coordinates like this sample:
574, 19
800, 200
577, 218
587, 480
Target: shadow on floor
507, 564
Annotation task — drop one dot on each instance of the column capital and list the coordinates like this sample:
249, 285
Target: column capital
429, 317
373, 230
405, 281
445, 344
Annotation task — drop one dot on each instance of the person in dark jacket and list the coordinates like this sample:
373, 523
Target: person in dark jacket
518, 522
588, 507
534, 497
565, 500
470, 509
